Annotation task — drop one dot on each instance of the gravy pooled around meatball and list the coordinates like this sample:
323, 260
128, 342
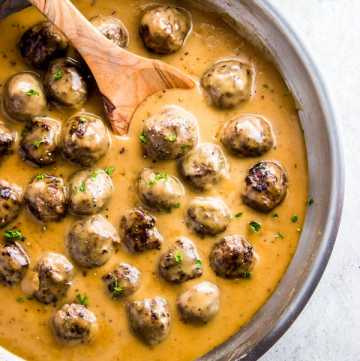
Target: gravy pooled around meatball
233, 257
85, 139
7, 140
164, 28
150, 319
208, 215
139, 232
42, 43
113, 29
74, 324
40, 140
266, 186
11, 199
65, 84
249, 135
181, 262
123, 281
90, 191
228, 83
200, 303
204, 166
169, 134
92, 241
14, 262
47, 198
159, 190
24, 96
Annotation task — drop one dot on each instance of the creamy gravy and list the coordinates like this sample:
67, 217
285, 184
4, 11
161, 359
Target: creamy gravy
24, 326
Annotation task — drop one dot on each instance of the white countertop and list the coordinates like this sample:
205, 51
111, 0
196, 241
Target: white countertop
329, 327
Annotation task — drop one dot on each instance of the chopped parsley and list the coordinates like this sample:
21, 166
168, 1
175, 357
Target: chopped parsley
82, 299
275, 215
143, 138
279, 235
178, 257
38, 142
238, 215
245, 275
32, 92
20, 299
158, 177
171, 138
198, 263
116, 289
254, 226
13, 235
310, 201
294, 218
177, 205
40, 177
94, 174
58, 74
82, 187
109, 171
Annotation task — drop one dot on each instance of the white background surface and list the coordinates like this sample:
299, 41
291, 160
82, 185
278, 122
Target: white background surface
329, 327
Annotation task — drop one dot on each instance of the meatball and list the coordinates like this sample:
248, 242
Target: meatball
233, 257
204, 166
40, 140
52, 278
169, 134
181, 262
11, 199
7, 140
249, 135
47, 198
150, 319
208, 216
85, 139
228, 83
113, 29
123, 281
164, 28
91, 241
42, 43
266, 186
23, 96
159, 190
90, 191
65, 84
200, 303
74, 324
14, 262
139, 231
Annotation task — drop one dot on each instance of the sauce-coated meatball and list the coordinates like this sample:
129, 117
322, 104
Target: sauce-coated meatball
228, 83
85, 139
208, 216
92, 241
266, 186
52, 278
74, 324
233, 257
11, 199
90, 191
47, 198
40, 140
14, 262
139, 232
200, 303
7, 140
150, 319
181, 262
24, 96
169, 134
249, 135
159, 190
42, 43
113, 29
123, 281
204, 166
164, 28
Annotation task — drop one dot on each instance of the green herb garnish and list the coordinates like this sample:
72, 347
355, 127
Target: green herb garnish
13, 235
178, 257
198, 263
171, 138
110, 171
143, 138
82, 299
20, 299
279, 235
255, 226
275, 215
238, 215
294, 218
177, 205
116, 289
158, 177
40, 177
94, 174
82, 187
245, 275
32, 92
58, 74
37, 143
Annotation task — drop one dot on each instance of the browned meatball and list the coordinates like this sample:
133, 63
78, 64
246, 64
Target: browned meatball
11, 199
164, 28
123, 281
229, 82
233, 257
7, 140
40, 140
266, 186
113, 29
47, 198
74, 324
42, 43
150, 319
14, 262
181, 262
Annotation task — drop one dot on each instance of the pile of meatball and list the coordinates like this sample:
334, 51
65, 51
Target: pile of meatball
171, 135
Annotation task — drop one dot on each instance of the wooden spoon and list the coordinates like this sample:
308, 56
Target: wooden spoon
124, 79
